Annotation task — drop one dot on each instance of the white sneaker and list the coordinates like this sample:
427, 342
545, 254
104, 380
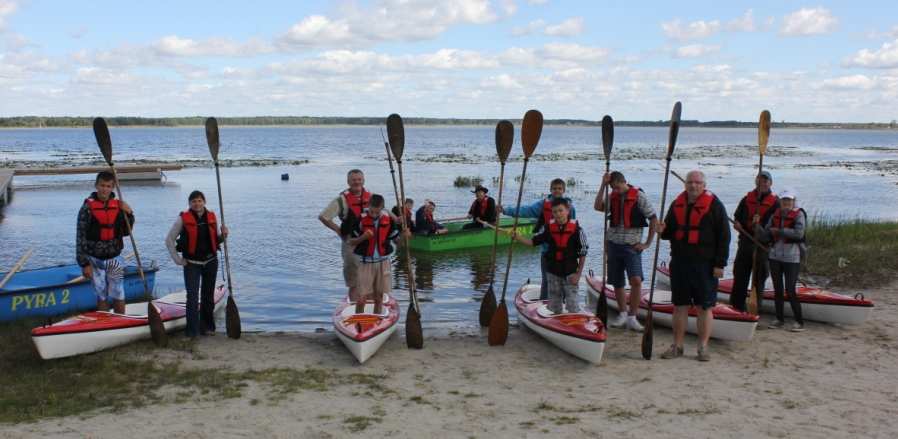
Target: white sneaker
618, 322
633, 325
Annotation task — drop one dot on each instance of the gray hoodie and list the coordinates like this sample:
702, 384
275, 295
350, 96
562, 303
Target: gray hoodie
783, 251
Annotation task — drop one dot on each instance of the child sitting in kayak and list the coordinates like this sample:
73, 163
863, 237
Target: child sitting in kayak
373, 238
565, 257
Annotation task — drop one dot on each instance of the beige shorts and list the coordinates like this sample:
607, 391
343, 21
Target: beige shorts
350, 265
375, 278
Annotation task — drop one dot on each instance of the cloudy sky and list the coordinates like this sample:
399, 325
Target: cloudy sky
820, 61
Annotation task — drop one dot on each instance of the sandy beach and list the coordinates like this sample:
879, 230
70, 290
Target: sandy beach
828, 382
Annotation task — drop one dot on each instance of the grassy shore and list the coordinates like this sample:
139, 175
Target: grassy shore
854, 253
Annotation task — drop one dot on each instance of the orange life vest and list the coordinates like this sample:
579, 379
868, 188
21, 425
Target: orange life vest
479, 207
690, 228
561, 234
632, 217
751, 204
379, 241
787, 222
355, 203
104, 215
547, 211
192, 228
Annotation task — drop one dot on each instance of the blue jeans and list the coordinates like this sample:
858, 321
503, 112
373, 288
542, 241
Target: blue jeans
199, 280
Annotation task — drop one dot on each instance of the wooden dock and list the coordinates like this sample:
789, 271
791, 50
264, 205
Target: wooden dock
125, 172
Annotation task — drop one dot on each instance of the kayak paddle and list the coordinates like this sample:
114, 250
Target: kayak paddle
607, 145
504, 141
16, 268
763, 137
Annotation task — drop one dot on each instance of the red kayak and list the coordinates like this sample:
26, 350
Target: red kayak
98, 330
364, 333
816, 303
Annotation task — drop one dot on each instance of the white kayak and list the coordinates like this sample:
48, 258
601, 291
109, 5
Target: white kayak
364, 333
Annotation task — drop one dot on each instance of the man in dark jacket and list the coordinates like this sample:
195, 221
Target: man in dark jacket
482, 209
696, 226
424, 222
99, 243
749, 214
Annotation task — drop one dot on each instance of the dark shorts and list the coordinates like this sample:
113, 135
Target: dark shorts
693, 283
623, 258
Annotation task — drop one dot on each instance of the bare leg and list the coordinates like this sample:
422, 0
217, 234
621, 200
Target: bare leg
635, 295
621, 300
681, 314
360, 304
705, 321
378, 303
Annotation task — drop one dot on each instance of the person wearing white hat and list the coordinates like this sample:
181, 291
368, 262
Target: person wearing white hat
785, 231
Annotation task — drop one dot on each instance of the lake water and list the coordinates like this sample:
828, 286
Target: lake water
286, 265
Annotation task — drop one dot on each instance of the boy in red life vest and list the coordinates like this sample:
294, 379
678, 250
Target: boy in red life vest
699, 234
565, 258
99, 242
425, 224
749, 214
373, 245
785, 231
629, 212
407, 208
542, 210
482, 209
195, 234
348, 206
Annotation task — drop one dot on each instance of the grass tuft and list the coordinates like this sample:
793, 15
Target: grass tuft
463, 181
851, 252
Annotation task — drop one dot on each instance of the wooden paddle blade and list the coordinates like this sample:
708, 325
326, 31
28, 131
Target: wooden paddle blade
101, 132
232, 319
487, 307
648, 338
531, 129
396, 135
499, 326
212, 137
763, 131
504, 139
607, 136
602, 307
157, 328
414, 336
674, 128
753, 301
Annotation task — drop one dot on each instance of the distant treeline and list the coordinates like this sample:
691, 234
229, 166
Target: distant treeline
72, 122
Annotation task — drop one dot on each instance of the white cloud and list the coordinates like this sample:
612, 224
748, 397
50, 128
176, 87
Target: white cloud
809, 21
853, 82
387, 20
537, 2
7, 8
533, 26
457, 59
567, 28
886, 57
176, 46
510, 7
745, 23
695, 30
695, 50
574, 52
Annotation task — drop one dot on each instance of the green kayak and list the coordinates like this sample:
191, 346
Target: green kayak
461, 239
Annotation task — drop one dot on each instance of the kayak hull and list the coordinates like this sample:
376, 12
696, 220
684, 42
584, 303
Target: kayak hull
99, 330
47, 291
817, 304
579, 334
729, 323
363, 334
458, 238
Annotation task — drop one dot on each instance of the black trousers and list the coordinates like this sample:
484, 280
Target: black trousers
785, 276
200, 279
742, 274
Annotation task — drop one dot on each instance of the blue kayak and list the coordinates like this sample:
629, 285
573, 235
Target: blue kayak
49, 291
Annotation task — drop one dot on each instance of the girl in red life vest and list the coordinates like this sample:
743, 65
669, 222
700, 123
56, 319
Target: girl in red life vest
565, 257
373, 239
195, 234
785, 232
99, 242
482, 209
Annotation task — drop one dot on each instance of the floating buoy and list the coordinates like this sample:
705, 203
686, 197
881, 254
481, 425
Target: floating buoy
285, 177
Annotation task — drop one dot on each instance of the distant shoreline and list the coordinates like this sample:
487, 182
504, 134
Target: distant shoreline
311, 122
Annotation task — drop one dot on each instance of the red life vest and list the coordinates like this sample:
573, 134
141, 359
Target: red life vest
192, 229
547, 211
701, 208
479, 207
356, 203
632, 217
751, 204
788, 222
104, 214
561, 234
385, 223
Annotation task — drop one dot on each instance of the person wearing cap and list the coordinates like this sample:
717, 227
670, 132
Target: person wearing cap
748, 214
482, 209
785, 233
424, 222
542, 210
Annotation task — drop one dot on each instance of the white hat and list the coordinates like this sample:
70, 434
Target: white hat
788, 194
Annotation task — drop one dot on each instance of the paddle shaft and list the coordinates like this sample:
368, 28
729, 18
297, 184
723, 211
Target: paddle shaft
413, 294
657, 247
754, 255
143, 278
515, 226
496, 229
225, 241
605, 228
16, 267
400, 203
733, 222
